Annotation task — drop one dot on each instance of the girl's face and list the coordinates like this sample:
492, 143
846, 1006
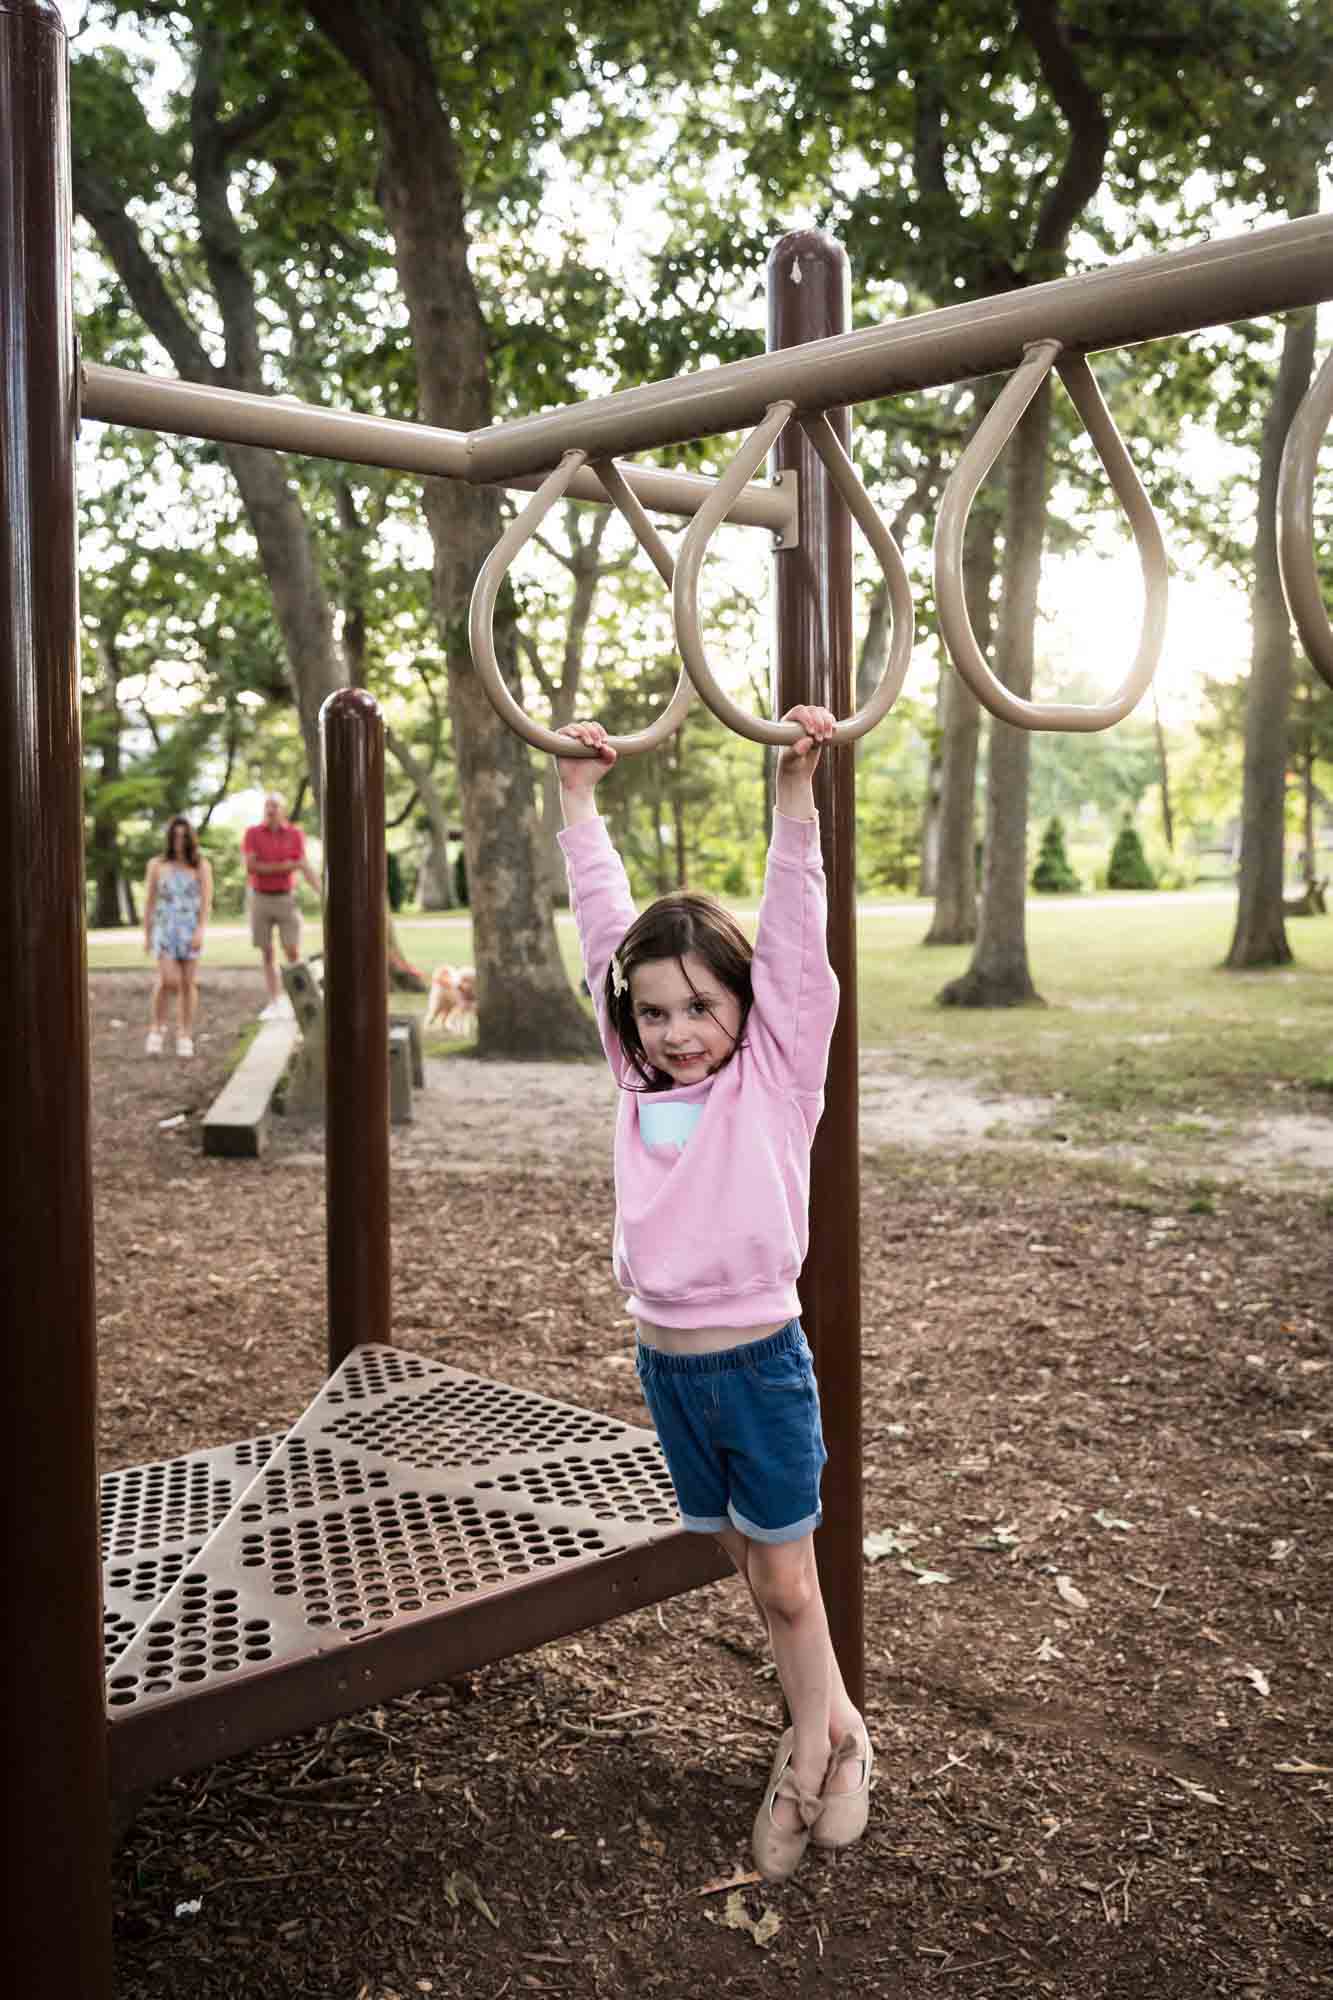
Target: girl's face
178, 841
688, 1020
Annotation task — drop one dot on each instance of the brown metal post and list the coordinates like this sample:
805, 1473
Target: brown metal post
356, 1018
808, 298
57, 1873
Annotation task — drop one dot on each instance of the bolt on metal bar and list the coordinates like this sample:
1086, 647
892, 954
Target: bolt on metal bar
285, 423
1263, 272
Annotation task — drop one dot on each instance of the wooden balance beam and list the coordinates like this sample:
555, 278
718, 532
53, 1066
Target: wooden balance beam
236, 1124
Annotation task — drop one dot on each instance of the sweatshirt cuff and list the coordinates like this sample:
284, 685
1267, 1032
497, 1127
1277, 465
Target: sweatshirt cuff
589, 837
795, 839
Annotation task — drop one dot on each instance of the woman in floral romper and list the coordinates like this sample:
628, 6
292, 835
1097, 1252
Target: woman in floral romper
178, 897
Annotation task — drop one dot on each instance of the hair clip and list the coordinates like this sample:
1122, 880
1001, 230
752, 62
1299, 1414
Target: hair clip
619, 983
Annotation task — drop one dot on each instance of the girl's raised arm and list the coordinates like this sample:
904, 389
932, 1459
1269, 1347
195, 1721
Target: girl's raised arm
795, 989
599, 890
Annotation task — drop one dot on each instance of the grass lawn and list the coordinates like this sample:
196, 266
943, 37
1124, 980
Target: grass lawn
1139, 1025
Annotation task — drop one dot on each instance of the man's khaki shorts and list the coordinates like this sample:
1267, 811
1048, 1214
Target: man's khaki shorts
265, 911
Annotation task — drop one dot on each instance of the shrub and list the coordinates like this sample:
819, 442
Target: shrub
1128, 867
1053, 874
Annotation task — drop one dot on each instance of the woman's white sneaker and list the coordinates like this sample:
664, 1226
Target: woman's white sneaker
184, 1045
153, 1042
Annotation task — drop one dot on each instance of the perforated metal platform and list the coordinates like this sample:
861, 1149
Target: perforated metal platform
416, 1522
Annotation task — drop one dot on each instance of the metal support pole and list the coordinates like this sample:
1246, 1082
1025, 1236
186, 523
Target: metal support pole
57, 1873
356, 1023
808, 299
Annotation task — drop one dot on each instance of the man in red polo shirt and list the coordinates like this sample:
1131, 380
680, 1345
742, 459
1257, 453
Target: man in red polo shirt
274, 851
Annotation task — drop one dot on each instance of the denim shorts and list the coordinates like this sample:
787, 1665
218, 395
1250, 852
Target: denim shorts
741, 1434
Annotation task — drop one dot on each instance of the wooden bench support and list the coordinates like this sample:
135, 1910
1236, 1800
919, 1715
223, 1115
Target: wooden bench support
237, 1122
400, 1076
412, 1022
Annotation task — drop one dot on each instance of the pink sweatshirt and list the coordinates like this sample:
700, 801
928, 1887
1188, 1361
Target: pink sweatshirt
713, 1231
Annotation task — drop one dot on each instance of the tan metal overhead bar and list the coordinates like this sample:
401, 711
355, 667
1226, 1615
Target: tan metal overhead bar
1265, 271
284, 423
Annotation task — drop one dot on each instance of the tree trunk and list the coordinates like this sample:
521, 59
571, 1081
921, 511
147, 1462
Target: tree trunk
955, 916
928, 874
422, 780
587, 570
435, 882
954, 920
998, 975
1163, 777
525, 1003
874, 650
678, 816
273, 509
1260, 936
661, 847
104, 843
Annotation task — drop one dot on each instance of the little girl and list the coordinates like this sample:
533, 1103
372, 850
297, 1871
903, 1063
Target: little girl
721, 1052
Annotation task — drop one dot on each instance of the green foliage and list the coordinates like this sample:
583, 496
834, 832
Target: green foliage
1128, 867
891, 796
1052, 874
924, 134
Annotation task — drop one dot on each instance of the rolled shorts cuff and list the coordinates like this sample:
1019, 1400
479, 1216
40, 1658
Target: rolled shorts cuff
794, 1532
704, 1524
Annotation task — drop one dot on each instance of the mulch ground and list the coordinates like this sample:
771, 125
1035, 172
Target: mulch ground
1099, 1468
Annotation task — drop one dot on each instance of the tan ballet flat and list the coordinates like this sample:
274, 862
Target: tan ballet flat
843, 1815
777, 1852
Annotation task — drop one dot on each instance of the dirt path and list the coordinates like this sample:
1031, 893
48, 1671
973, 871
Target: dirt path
1098, 1479
540, 1116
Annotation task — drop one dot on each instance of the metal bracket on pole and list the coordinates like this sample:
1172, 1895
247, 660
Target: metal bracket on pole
789, 483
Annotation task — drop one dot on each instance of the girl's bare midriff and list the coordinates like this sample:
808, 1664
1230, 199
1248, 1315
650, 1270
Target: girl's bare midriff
702, 1339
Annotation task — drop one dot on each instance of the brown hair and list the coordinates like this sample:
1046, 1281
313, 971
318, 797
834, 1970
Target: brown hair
670, 928
191, 844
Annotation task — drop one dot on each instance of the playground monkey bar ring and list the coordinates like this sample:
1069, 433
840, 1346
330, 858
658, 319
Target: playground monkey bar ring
481, 613
685, 593
1295, 521
980, 455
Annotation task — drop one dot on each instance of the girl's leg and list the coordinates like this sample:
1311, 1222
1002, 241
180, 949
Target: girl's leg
160, 991
189, 996
737, 1547
785, 1584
